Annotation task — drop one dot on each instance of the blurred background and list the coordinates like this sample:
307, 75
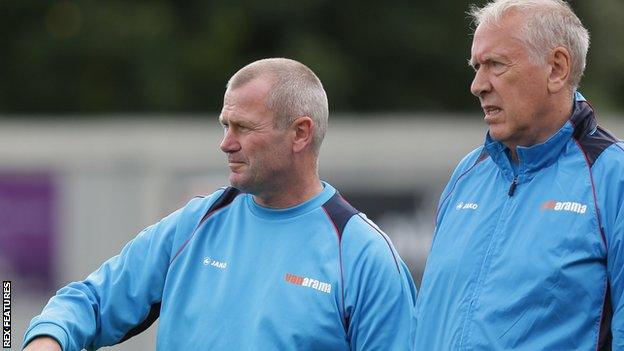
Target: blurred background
108, 116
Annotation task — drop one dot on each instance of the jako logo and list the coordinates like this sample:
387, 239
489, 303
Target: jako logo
308, 282
564, 206
210, 262
467, 206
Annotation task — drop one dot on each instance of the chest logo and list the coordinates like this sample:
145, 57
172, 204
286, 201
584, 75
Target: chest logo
214, 263
308, 282
466, 205
569, 206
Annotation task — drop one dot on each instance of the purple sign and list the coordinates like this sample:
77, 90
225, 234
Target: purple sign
27, 202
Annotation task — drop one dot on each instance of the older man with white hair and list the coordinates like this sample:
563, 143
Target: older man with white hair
528, 249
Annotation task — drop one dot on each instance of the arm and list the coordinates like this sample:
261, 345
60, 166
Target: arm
115, 299
609, 172
379, 291
615, 269
43, 343
112, 300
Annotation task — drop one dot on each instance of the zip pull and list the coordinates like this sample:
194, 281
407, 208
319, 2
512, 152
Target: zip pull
512, 188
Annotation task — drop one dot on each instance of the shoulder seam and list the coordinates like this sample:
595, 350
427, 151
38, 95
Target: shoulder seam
345, 318
209, 213
602, 153
482, 157
386, 239
593, 186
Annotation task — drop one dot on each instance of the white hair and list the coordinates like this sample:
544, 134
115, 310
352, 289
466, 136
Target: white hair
547, 24
295, 92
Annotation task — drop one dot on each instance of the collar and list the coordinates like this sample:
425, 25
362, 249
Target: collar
532, 159
286, 213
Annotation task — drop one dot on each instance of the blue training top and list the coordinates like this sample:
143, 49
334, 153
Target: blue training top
530, 257
224, 273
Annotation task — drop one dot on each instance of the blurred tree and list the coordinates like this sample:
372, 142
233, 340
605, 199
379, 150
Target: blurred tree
162, 55
604, 76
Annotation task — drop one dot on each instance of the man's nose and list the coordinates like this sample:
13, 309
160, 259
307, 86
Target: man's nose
229, 143
480, 84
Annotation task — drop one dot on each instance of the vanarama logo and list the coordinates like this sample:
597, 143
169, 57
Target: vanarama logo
552, 205
308, 282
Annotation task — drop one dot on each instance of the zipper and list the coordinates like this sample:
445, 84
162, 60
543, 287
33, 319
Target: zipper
465, 333
512, 188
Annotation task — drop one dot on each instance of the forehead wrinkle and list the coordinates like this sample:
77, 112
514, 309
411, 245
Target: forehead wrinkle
512, 36
235, 119
230, 119
497, 52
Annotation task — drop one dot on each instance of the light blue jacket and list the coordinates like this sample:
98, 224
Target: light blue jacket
530, 257
224, 273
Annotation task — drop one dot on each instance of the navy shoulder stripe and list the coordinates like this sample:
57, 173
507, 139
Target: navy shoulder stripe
225, 199
482, 156
592, 138
339, 211
595, 142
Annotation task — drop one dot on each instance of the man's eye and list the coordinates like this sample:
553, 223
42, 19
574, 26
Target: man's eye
498, 67
498, 64
476, 66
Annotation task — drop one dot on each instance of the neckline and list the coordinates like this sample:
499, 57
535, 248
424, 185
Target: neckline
536, 157
285, 213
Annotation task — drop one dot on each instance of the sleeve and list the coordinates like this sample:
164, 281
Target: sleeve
379, 291
118, 298
615, 267
614, 231
610, 195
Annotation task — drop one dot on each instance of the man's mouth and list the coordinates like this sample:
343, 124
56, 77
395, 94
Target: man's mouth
235, 164
491, 110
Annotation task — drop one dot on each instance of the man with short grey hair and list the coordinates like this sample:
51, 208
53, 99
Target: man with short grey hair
528, 247
277, 261
296, 91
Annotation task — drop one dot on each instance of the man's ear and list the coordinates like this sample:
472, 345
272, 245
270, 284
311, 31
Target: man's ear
303, 128
559, 62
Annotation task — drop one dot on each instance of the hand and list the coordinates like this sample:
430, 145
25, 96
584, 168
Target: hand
43, 343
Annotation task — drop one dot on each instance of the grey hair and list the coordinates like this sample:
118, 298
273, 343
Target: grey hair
295, 92
547, 24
